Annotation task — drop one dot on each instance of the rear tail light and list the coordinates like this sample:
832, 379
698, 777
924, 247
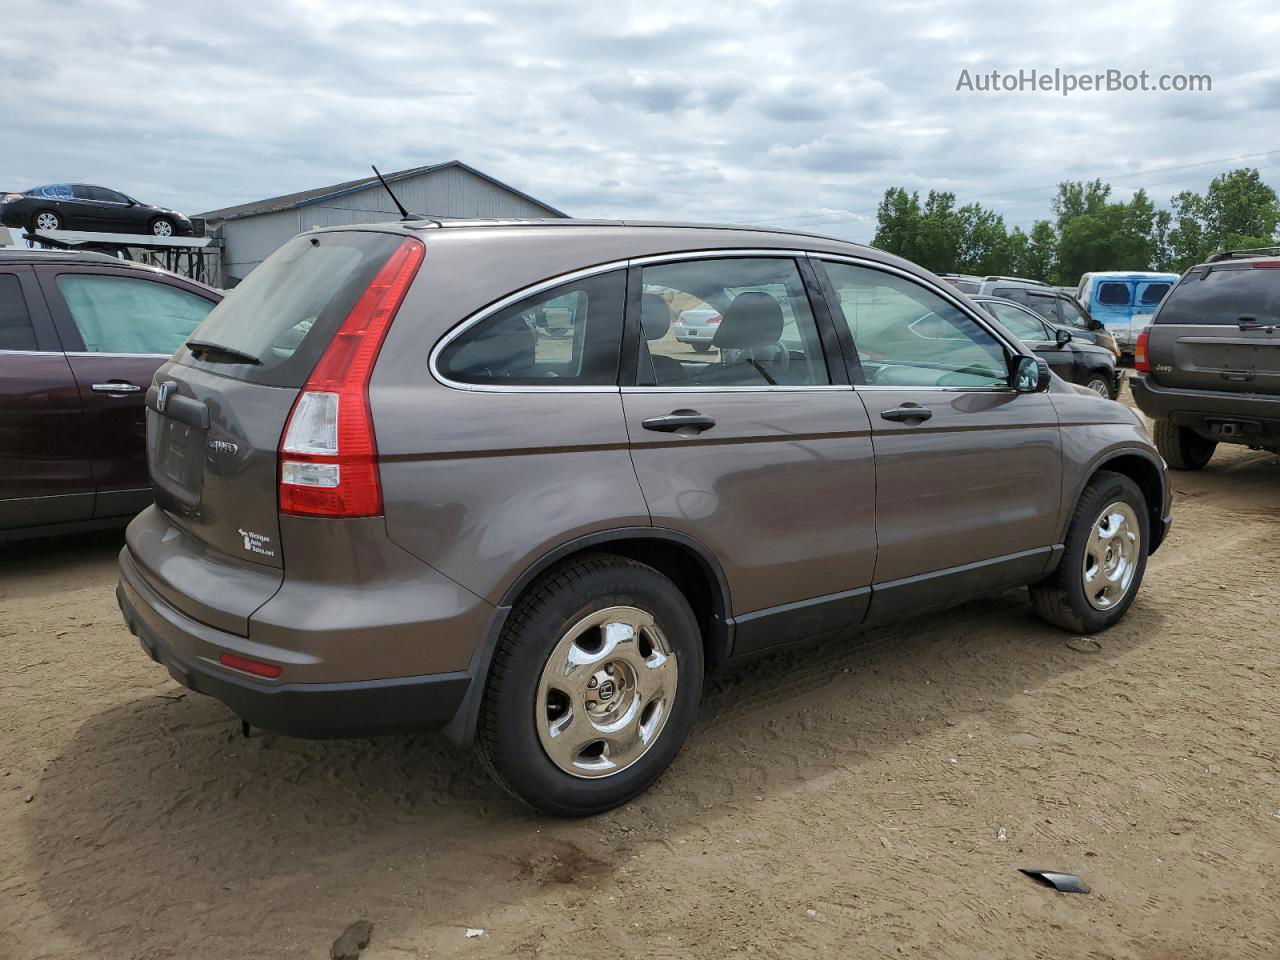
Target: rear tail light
328, 453
716, 319
1266, 264
1140, 361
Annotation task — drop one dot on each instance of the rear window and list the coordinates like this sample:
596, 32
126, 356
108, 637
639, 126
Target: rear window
1152, 293
1113, 294
273, 327
1222, 295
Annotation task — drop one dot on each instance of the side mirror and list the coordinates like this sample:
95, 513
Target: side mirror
1030, 375
1063, 336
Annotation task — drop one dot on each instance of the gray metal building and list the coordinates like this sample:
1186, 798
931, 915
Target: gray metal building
252, 231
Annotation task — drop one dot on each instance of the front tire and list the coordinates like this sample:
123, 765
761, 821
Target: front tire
1182, 449
594, 686
162, 227
1103, 561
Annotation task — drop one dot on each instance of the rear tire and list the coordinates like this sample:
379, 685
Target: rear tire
45, 220
549, 676
702, 347
1103, 561
1182, 449
1101, 383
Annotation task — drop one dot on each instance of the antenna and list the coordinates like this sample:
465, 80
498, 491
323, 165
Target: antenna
404, 214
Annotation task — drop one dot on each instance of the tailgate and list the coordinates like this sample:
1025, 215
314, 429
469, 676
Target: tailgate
211, 450
1219, 329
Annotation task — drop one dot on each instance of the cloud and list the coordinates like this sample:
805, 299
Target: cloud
767, 111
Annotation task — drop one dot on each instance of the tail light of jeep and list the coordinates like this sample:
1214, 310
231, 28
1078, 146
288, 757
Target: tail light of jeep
1140, 361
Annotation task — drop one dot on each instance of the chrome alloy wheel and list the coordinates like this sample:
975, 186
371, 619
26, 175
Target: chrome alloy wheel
162, 228
1100, 387
1111, 556
47, 221
606, 692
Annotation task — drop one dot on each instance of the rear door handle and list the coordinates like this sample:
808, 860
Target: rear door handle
121, 387
678, 420
906, 412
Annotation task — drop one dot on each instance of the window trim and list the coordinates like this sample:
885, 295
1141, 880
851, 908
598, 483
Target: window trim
625, 366
1011, 349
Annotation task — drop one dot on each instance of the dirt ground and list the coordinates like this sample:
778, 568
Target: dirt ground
847, 798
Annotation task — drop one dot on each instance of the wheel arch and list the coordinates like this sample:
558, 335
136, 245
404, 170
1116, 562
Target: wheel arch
688, 563
1144, 469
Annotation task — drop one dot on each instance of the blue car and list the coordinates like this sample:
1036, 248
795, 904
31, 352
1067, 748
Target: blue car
1124, 301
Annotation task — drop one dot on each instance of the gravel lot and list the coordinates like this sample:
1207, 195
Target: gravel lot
843, 798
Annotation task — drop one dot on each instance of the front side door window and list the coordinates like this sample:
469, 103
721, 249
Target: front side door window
907, 335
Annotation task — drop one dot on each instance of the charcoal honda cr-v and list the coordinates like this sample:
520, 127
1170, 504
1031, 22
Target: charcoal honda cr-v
388, 498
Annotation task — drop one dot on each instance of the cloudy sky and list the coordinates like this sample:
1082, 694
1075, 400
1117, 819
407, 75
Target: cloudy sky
761, 111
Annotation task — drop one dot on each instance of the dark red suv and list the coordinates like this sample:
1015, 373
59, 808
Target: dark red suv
81, 336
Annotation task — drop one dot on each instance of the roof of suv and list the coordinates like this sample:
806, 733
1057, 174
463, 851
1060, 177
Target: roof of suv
22, 255
563, 222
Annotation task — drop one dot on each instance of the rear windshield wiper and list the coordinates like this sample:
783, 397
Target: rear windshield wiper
203, 350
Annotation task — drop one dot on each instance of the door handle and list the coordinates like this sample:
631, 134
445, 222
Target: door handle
678, 420
906, 412
121, 387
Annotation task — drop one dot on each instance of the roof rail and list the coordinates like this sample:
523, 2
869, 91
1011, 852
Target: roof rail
1243, 253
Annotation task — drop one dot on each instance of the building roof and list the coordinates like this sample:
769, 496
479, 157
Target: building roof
304, 198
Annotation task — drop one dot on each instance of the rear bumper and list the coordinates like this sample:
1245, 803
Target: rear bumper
1248, 418
313, 710
694, 335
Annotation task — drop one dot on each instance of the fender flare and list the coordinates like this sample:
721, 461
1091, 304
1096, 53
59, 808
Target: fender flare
461, 729
1098, 463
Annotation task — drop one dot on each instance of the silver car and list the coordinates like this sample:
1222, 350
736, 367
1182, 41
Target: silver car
696, 327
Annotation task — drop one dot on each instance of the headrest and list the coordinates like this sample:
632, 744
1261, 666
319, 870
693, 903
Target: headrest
655, 316
505, 350
753, 320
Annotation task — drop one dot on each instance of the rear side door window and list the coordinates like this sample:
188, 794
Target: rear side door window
764, 335
1045, 305
908, 336
130, 314
567, 336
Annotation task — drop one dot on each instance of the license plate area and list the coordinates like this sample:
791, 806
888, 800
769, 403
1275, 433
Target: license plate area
176, 458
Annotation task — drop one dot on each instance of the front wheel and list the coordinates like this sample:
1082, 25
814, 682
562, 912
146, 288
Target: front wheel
1104, 558
594, 686
1182, 449
162, 227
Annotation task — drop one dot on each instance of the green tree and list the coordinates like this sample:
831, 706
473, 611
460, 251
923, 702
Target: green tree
898, 223
1237, 211
1040, 261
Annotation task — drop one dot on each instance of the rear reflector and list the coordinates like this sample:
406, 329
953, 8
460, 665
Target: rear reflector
1140, 361
256, 667
328, 453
